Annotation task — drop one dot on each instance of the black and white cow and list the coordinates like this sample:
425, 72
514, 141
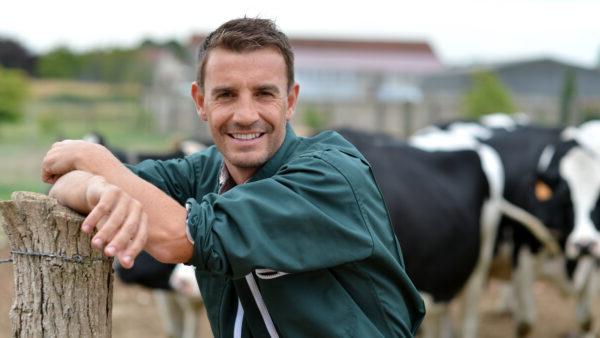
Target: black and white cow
440, 194
444, 193
561, 187
554, 174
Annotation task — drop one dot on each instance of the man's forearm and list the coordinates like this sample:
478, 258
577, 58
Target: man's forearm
70, 190
167, 240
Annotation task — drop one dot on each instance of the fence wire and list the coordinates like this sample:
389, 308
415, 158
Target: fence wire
73, 259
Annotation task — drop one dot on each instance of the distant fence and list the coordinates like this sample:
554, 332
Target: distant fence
63, 288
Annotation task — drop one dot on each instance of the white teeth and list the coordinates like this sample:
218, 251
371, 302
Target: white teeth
245, 136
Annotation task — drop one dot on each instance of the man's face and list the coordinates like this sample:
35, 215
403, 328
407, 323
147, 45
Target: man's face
246, 104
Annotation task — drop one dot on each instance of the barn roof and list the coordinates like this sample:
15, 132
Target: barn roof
360, 55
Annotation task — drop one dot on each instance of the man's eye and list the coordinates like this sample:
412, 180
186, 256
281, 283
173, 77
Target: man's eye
225, 95
265, 94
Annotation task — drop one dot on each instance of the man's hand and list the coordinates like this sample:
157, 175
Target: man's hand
120, 220
69, 155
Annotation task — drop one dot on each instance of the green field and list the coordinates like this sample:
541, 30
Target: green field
61, 109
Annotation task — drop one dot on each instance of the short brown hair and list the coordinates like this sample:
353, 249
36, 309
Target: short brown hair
246, 34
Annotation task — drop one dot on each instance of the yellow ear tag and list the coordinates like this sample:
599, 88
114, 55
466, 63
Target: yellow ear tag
542, 191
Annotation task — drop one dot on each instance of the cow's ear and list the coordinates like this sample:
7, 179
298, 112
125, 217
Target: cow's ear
543, 192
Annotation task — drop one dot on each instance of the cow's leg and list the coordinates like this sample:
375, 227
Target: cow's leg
502, 270
489, 227
594, 308
446, 329
523, 277
585, 293
183, 281
428, 327
553, 270
169, 312
436, 323
506, 297
471, 303
192, 310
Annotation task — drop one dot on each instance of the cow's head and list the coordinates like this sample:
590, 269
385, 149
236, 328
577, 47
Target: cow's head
566, 190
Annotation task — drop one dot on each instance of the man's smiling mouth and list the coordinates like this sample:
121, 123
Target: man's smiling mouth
245, 136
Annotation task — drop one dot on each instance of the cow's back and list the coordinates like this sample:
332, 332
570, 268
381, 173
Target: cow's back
434, 200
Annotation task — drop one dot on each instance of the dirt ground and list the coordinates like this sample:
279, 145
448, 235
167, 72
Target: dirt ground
134, 313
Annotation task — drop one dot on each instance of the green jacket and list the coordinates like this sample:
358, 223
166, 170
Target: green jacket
305, 246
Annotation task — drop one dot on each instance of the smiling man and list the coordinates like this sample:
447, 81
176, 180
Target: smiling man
247, 102
289, 236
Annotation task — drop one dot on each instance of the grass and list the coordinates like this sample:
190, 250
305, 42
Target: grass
68, 109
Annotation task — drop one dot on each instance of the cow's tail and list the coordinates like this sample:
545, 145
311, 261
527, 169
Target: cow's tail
531, 223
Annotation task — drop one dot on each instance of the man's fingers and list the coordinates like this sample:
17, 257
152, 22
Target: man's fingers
59, 160
94, 217
127, 256
122, 231
116, 212
53, 167
49, 178
120, 220
98, 242
103, 208
48, 175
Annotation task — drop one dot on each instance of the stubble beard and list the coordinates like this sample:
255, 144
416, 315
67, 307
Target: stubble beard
251, 160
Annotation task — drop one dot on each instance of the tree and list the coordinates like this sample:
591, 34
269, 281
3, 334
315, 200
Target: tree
107, 65
487, 95
14, 55
172, 45
177, 49
13, 93
59, 63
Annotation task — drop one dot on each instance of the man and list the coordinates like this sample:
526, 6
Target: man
289, 236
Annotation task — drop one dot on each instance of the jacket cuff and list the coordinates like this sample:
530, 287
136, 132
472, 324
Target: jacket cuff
188, 208
208, 253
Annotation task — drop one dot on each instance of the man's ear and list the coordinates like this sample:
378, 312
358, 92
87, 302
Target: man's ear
198, 97
292, 100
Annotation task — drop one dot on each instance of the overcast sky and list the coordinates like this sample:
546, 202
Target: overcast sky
460, 31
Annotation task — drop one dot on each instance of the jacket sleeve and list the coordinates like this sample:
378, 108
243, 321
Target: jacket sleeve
179, 178
306, 217
171, 176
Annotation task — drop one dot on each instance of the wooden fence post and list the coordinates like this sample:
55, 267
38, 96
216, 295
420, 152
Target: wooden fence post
63, 287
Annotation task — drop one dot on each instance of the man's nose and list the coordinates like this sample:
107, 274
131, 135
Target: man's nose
246, 112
